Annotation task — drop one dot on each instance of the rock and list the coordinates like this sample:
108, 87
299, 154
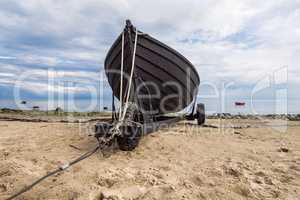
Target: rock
283, 149
187, 185
108, 196
5, 173
260, 174
198, 180
106, 182
6, 153
275, 193
257, 180
242, 190
159, 192
268, 181
3, 188
133, 192
286, 178
233, 171
295, 167
211, 183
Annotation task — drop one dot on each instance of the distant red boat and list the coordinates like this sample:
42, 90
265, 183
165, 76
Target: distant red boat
240, 103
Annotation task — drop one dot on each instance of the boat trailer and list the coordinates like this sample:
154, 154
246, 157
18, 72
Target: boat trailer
134, 60
133, 128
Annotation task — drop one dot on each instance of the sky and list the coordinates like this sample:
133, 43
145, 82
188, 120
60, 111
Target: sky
241, 49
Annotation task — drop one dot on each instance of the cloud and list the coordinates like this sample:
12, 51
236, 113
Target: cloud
229, 40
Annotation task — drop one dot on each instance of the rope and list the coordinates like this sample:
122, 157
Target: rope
121, 84
116, 128
194, 105
61, 168
131, 75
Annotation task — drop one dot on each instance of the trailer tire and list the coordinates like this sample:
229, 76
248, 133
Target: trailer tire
128, 143
200, 119
130, 138
200, 114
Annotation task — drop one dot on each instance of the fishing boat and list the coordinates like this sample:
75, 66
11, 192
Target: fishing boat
150, 80
239, 103
158, 71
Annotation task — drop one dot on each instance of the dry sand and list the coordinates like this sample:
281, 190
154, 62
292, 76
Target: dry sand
184, 162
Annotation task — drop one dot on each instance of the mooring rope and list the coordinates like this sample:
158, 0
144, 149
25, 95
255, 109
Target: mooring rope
131, 76
121, 78
60, 169
115, 130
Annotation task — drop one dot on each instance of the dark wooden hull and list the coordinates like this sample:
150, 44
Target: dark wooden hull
172, 81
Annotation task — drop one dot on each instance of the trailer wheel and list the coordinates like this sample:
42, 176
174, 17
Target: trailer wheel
130, 138
200, 114
128, 143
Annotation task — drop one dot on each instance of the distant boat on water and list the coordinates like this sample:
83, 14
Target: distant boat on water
240, 103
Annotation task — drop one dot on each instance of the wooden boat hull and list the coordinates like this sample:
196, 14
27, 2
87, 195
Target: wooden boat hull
164, 80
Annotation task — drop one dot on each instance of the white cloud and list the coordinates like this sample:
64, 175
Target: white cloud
226, 40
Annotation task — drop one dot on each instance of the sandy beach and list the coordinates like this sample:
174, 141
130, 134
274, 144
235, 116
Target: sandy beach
241, 160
